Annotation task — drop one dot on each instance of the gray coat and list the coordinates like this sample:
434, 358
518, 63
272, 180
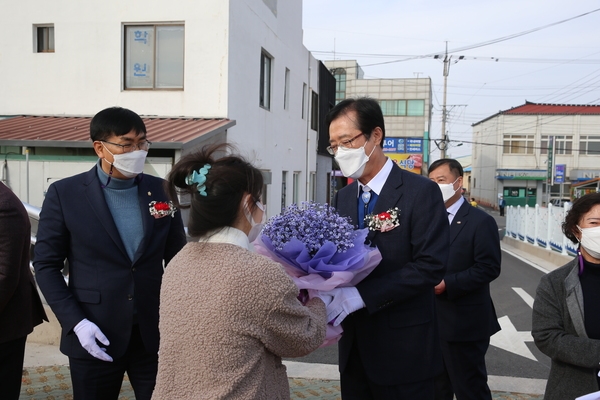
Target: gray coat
559, 332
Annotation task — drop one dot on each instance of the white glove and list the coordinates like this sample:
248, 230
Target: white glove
345, 301
87, 332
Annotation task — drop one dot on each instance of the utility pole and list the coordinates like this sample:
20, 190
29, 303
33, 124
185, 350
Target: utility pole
444, 142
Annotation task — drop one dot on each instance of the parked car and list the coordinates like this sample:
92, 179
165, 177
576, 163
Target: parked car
559, 202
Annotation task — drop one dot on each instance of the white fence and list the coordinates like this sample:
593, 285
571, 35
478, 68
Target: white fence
540, 226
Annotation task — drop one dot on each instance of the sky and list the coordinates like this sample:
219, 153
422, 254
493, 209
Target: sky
558, 64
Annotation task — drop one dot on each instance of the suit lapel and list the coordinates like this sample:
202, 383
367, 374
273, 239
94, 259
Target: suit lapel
95, 198
347, 205
145, 196
460, 220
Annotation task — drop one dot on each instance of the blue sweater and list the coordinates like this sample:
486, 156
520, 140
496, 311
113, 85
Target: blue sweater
121, 196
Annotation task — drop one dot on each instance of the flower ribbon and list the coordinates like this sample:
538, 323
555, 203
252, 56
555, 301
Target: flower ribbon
199, 178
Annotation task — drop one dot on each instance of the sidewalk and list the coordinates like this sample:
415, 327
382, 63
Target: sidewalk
46, 376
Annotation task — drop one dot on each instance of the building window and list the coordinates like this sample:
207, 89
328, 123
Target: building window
296, 188
283, 190
589, 145
340, 84
266, 62
562, 144
44, 39
314, 111
313, 186
154, 56
304, 88
286, 90
518, 144
399, 108
415, 108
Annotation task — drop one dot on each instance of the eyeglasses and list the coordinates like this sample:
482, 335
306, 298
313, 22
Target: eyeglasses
346, 144
128, 148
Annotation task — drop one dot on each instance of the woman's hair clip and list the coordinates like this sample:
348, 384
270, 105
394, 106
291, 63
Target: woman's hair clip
198, 178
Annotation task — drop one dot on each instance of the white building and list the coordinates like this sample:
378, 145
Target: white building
523, 151
237, 61
406, 106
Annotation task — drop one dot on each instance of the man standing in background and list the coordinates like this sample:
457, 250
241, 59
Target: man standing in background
465, 310
20, 305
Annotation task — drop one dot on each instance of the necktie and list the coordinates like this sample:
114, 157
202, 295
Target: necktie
366, 203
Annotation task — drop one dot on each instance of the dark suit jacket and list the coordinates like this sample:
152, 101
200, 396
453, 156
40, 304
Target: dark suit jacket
20, 305
105, 286
396, 334
465, 309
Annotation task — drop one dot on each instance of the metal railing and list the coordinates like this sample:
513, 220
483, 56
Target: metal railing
540, 226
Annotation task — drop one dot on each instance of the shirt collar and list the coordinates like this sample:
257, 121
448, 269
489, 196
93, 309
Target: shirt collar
229, 235
376, 184
453, 209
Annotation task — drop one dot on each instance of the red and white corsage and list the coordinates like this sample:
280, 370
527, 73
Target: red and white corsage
160, 209
384, 221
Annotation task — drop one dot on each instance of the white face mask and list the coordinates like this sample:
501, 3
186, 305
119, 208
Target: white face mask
129, 164
590, 241
448, 190
256, 226
352, 162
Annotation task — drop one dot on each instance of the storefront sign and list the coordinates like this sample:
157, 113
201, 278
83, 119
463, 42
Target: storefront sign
521, 174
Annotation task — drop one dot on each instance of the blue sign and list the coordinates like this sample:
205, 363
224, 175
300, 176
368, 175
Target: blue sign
559, 173
414, 145
393, 145
403, 145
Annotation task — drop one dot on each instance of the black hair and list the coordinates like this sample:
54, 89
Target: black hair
580, 207
115, 121
452, 164
368, 115
229, 178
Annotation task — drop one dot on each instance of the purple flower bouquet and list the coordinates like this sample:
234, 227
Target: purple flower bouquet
319, 249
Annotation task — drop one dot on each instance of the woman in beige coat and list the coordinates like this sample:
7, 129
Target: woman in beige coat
227, 314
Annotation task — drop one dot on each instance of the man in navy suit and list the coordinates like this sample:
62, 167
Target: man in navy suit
390, 345
117, 230
466, 314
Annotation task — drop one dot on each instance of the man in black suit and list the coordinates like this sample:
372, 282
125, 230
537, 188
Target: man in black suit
390, 345
116, 228
465, 310
20, 305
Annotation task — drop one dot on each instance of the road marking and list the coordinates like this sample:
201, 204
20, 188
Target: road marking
524, 295
509, 339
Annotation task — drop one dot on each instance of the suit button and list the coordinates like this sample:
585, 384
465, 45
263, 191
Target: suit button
129, 297
133, 269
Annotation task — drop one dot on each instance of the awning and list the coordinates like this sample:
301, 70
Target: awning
164, 133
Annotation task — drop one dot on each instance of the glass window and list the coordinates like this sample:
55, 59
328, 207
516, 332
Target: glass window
154, 56
286, 90
340, 84
589, 145
314, 112
394, 108
45, 39
265, 80
518, 144
562, 144
415, 108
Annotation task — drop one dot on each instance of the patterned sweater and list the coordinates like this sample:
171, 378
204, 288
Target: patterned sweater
227, 316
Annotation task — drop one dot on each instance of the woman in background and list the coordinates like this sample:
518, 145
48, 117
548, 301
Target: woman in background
566, 311
228, 315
